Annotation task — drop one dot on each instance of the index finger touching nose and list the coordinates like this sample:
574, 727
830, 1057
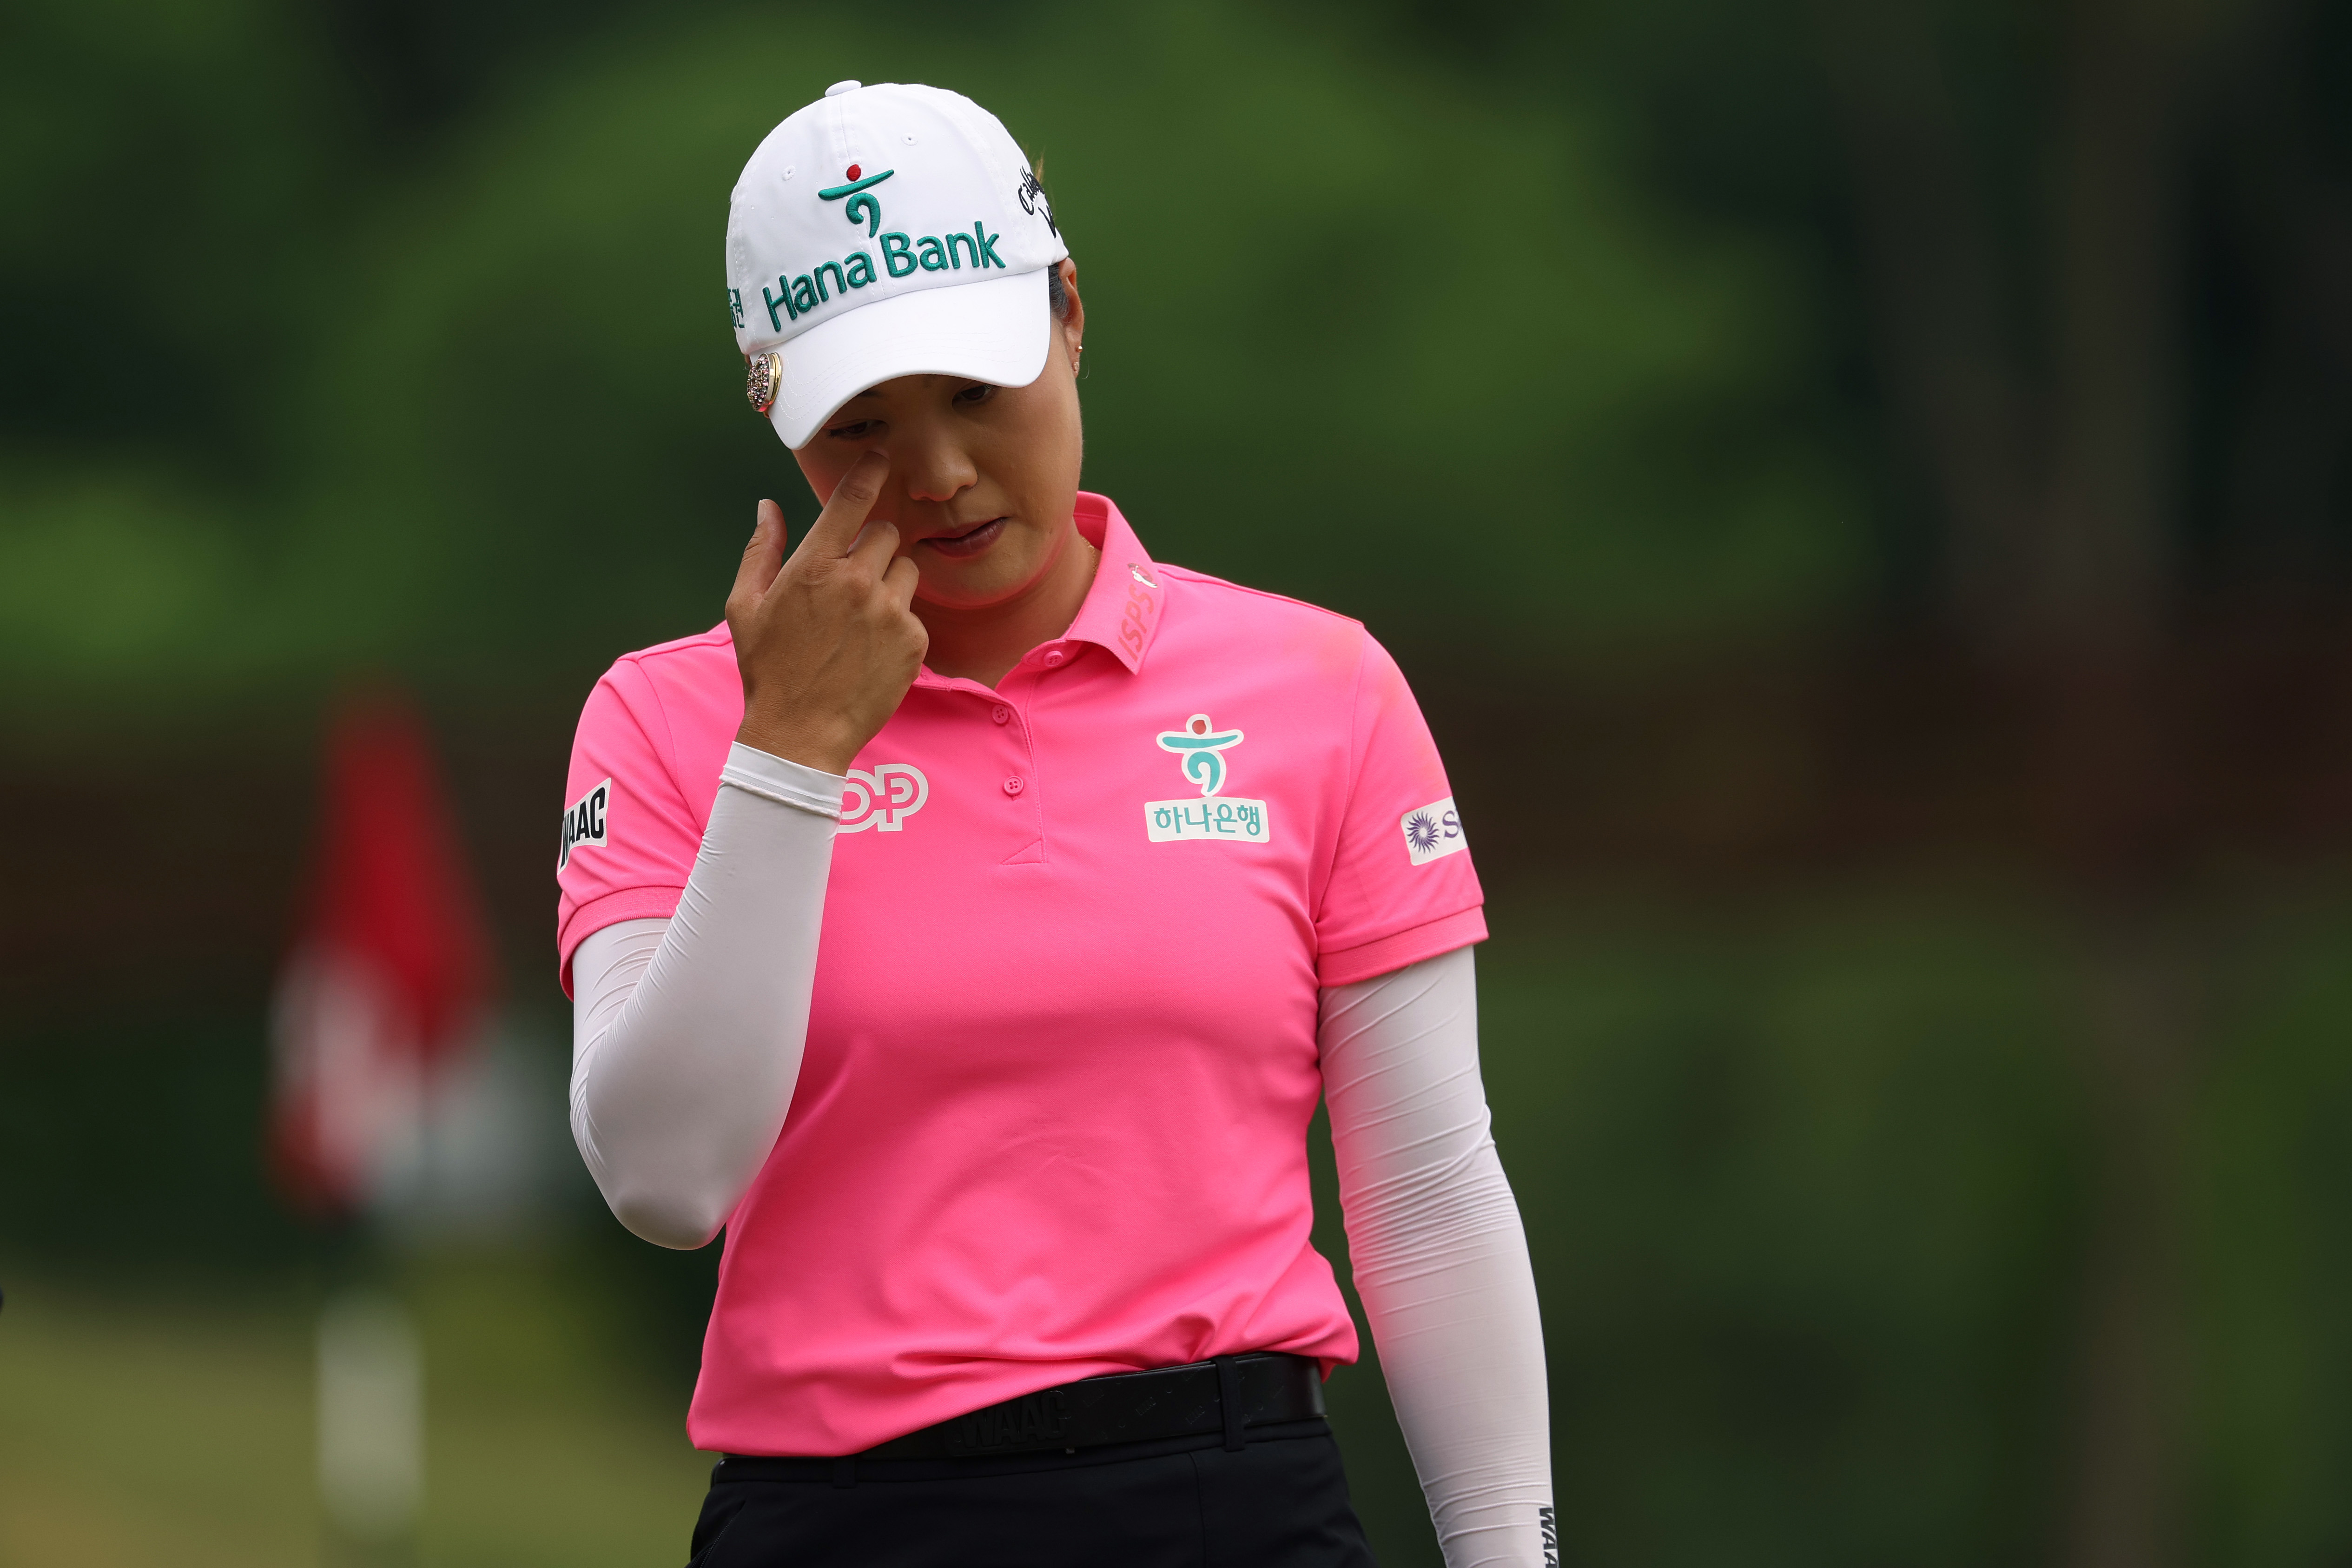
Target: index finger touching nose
844, 511
764, 554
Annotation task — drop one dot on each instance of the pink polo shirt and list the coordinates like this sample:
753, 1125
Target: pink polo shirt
1052, 1119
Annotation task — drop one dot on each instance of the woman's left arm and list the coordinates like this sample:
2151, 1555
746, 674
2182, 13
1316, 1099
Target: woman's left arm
1441, 1260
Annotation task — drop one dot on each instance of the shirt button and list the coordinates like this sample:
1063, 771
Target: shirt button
1001, 713
1012, 787
1055, 658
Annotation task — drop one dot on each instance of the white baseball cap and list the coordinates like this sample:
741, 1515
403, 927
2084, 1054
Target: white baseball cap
885, 231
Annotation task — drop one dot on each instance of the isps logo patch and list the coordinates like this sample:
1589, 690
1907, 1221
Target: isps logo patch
883, 798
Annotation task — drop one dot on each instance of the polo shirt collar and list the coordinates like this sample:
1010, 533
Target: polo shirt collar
1121, 610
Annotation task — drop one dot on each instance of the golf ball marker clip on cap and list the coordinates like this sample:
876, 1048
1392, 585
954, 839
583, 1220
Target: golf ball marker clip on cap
885, 231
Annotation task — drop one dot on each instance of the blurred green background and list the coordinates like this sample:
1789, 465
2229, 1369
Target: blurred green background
1862, 491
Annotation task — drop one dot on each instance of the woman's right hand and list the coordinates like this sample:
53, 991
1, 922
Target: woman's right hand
825, 640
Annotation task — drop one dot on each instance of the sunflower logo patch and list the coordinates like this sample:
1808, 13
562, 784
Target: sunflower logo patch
1432, 832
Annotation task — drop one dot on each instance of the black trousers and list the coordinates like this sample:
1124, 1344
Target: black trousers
1182, 1502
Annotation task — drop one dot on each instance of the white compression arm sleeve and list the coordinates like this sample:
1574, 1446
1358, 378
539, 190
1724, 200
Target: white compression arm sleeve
1439, 1258
687, 1033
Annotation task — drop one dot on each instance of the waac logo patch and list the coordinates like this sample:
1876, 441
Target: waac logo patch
584, 823
1202, 747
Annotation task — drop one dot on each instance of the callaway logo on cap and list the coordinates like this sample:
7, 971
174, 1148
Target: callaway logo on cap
885, 231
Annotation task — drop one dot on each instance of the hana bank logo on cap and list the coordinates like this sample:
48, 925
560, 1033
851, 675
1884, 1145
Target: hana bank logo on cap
885, 231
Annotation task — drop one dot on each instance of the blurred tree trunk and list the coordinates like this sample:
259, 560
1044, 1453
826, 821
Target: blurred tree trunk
1932, 267
2293, 215
2104, 591
2062, 566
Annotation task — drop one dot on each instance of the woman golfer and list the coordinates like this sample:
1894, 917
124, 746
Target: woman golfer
969, 926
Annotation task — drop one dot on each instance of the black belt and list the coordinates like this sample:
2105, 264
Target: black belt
1227, 1395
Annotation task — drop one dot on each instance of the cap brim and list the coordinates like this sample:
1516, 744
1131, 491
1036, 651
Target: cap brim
995, 332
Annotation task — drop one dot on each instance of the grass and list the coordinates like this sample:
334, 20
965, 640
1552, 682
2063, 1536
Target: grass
138, 1432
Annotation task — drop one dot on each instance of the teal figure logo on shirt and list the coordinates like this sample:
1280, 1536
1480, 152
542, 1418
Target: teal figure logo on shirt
1201, 745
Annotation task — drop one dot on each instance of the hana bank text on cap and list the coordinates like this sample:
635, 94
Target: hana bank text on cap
885, 231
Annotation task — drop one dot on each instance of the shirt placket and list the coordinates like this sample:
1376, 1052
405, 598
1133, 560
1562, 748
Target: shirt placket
1010, 776
1015, 711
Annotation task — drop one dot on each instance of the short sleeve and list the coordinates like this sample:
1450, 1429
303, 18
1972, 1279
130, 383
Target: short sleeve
1402, 887
629, 835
